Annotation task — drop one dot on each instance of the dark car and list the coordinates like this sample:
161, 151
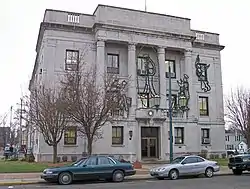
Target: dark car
90, 168
239, 163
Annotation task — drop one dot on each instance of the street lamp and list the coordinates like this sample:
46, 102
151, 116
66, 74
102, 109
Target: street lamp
170, 117
182, 102
157, 99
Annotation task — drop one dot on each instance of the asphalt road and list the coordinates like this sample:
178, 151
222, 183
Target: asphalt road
220, 182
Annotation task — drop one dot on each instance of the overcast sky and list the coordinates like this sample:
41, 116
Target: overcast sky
20, 20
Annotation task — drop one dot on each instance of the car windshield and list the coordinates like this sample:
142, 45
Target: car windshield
177, 160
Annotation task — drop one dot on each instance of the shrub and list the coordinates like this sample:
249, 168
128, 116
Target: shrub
58, 159
212, 156
13, 159
30, 158
223, 155
23, 159
216, 156
203, 153
73, 158
65, 158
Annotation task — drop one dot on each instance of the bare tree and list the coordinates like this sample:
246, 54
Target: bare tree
47, 114
238, 111
91, 102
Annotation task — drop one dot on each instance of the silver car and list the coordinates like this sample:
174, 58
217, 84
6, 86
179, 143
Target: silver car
185, 166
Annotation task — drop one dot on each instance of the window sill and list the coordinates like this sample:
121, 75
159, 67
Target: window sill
117, 145
206, 144
70, 145
179, 145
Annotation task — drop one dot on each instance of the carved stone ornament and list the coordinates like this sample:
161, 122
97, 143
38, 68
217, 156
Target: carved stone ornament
201, 72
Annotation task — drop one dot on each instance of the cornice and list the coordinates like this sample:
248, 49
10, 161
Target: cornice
208, 46
148, 32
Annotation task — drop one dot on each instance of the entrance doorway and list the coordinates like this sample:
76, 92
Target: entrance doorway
149, 142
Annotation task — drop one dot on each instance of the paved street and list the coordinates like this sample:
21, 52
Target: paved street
222, 182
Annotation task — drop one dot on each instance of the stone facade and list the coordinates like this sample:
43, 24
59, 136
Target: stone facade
130, 34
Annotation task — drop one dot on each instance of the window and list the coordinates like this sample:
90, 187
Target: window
179, 135
200, 159
117, 135
104, 161
141, 65
203, 103
143, 100
227, 138
170, 63
237, 138
190, 160
72, 60
91, 161
113, 63
230, 147
70, 136
205, 136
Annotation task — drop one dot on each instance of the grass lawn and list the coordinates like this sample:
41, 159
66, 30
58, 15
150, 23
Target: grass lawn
25, 167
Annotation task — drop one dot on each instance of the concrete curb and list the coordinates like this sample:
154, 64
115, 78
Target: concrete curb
146, 177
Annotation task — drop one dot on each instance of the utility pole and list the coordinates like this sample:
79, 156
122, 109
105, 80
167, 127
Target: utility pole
145, 5
170, 116
11, 108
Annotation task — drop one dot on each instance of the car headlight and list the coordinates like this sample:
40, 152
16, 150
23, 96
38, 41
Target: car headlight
245, 160
49, 172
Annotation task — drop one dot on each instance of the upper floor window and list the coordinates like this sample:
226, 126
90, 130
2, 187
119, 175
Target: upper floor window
117, 135
179, 135
72, 60
203, 104
145, 100
113, 63
237, 138
227, 138
170, 63
70, 136
205, 136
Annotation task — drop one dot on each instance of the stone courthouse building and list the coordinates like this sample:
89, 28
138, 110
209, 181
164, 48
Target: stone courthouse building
142, 46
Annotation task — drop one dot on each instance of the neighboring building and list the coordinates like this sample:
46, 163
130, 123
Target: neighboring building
235, 141
139, 45
4, 136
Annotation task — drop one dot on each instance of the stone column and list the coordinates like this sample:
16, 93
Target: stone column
162, 70
100, 61
132, 88
190, 71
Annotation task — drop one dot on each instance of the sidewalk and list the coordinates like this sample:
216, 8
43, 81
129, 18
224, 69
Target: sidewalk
34, 178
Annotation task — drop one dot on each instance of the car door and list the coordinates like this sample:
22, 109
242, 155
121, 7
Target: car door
85, 170
188, 166
200, 166
104, 167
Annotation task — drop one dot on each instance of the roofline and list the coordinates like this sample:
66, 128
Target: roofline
136, 10
63, 11
205, 32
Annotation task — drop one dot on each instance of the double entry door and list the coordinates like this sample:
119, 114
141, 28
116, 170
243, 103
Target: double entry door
149, 147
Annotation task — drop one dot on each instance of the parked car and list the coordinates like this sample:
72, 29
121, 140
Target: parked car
239, 163
91, 168
185, 166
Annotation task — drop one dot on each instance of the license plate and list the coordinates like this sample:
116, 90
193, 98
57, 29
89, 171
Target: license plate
233, 167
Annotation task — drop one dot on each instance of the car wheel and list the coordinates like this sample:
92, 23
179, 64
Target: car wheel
209, 172
118, 176
173, 174
237, 172
65, 178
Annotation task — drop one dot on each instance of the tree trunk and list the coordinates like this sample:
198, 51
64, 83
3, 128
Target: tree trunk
55, 153
90, 140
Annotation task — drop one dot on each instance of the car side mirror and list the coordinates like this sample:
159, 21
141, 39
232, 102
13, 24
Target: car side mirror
84, 165
183, 163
